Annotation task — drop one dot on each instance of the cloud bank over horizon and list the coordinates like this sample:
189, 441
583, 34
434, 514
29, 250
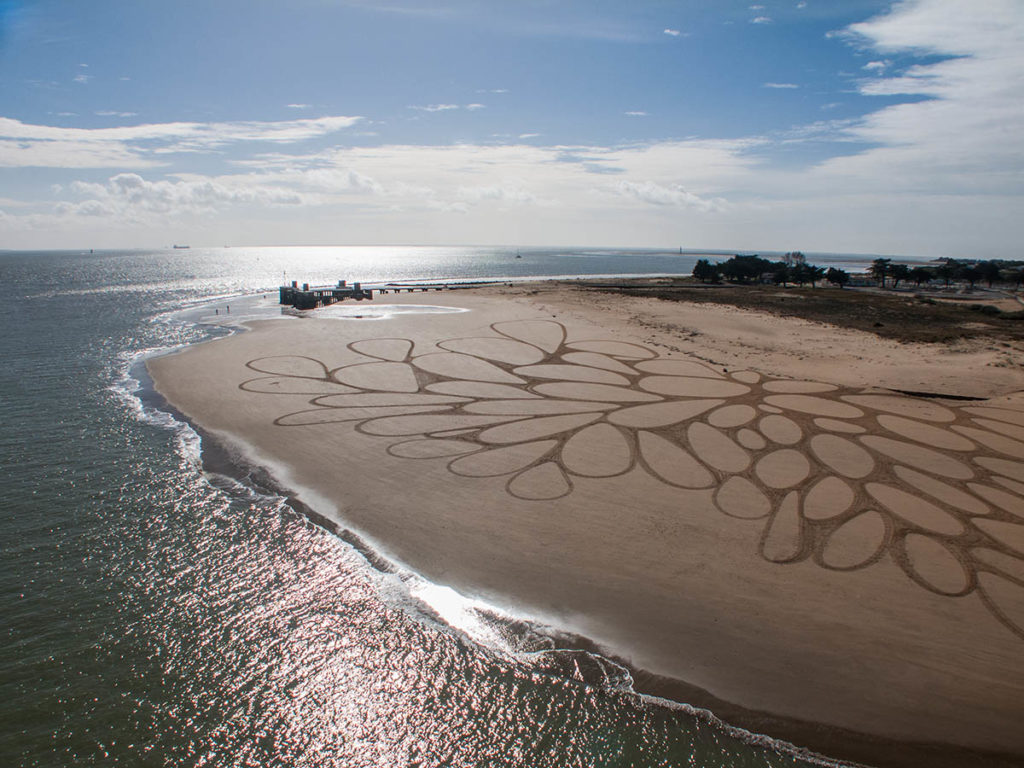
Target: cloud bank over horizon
933, 168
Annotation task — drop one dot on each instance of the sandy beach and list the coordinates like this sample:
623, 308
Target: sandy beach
731, 500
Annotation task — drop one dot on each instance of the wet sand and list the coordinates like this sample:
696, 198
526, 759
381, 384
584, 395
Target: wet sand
725, 500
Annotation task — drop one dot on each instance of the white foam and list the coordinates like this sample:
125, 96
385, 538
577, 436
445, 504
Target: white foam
381, 311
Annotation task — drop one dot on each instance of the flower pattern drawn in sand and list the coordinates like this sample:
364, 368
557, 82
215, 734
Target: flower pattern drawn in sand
843, 478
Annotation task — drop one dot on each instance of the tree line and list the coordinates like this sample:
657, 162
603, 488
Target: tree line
990, 271
794, 268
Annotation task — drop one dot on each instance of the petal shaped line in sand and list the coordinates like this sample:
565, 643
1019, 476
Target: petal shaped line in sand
294, 385
661, 414
493, 462
996, 442
298, 366
794, 387
536, 407
663, 367
691, 386
560, 372
525, 430
458, 366
572, 390
599, 450
782, 540
915, 510
481, 389
1004, 599
903, 406
364, 399
381, 376
394, 350
623, 350
595, 360
857, 543
544, 482
431, 448
672, 463
934, 566
540, 333
1000, 414
738, 497
934, 437
339, 415
732, 416
815, 406
919, 457
500, 350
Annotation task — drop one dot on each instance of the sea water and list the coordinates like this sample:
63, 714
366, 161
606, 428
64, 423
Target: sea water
157, 612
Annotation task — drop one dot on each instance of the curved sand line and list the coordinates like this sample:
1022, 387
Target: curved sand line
791, 546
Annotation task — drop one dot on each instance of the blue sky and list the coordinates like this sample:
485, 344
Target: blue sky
857, 125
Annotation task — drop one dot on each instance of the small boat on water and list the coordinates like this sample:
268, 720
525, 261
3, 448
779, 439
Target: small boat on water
181, 247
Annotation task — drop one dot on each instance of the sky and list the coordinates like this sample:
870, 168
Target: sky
857, 126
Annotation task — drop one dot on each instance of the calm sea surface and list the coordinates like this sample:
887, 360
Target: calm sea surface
154, 613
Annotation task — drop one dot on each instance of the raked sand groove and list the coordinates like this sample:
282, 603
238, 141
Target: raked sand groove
840, 478
866, 568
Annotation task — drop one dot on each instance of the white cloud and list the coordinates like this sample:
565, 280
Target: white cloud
960, 137
83, 79
801, 4
635, 113
673, 32
112, 113
876, 66
942, 174
434, 107
756, 7
475, 107
298, 106
780, 85
141, 146
671, 195
761, 20
130, 197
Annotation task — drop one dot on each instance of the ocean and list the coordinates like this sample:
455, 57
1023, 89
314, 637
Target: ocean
160, 609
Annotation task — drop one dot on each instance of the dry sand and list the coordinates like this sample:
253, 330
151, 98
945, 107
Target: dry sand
827, 561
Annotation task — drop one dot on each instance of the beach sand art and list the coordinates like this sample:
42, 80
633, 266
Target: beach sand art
839, 555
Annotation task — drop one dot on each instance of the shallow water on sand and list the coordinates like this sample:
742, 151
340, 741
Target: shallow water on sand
157, 613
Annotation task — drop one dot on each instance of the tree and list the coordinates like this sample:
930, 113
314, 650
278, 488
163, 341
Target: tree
989, 271
879, 269
783, 274
969, 273
947, 269
804, 272
704, 270
837, 276
742, 269
898, 272
813, 274
920, 275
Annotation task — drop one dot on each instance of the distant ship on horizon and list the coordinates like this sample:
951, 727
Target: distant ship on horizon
180, 247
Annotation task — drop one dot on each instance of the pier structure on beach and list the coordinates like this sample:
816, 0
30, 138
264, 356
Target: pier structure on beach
321, 296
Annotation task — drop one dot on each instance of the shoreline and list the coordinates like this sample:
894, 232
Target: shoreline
219, 455
855, 745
